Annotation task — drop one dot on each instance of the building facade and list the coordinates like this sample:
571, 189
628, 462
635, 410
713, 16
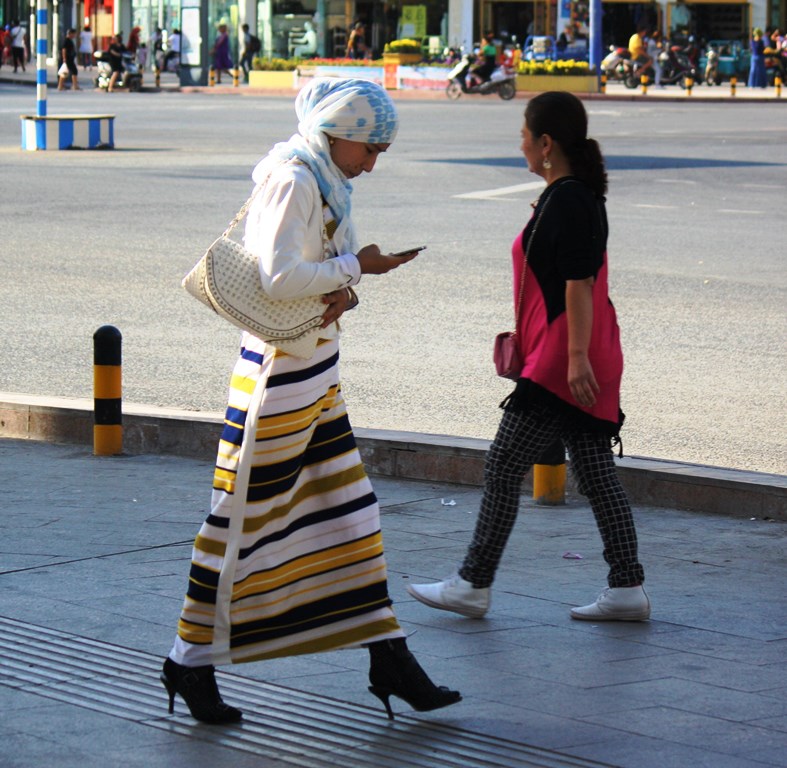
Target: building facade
278, 23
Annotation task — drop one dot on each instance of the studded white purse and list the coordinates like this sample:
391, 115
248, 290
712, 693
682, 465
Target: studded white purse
227, 279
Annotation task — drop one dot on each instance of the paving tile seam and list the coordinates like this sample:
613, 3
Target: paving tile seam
96, 677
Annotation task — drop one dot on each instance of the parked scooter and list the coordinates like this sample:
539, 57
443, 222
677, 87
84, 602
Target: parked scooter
676, 66
502, 81
616, 65
130, 77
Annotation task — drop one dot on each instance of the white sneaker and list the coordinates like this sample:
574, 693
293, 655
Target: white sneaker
616, 604
454, 594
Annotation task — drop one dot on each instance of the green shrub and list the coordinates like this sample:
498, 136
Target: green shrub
274, 65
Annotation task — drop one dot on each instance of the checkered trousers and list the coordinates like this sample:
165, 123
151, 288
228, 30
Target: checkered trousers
521, 440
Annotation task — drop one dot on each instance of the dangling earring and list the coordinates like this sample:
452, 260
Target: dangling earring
547, 164
331, 140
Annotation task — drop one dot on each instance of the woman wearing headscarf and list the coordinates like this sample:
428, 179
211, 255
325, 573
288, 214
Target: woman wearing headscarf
290, 558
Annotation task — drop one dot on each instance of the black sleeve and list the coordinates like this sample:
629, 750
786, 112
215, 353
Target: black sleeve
581, 239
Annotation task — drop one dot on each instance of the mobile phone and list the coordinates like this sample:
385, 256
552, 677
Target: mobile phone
409, 251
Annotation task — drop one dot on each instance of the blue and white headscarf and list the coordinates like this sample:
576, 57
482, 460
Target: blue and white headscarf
352, 109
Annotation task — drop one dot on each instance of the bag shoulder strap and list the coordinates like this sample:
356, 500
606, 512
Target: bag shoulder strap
328, 231
521, 296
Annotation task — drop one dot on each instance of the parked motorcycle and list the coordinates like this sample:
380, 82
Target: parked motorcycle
130, 77
616, 65
502, 81
676, 66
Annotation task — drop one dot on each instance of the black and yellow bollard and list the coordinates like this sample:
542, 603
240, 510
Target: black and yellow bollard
777, 81
643, 81
603, 84
107, 403
689, 84
733, 83
235, 77
549, 476
211, 77
158, 77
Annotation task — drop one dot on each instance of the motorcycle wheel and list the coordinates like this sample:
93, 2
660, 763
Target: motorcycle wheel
506, 90
630, 81
453, 90
135, 84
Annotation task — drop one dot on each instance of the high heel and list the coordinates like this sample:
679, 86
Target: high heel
197, 687
394, 671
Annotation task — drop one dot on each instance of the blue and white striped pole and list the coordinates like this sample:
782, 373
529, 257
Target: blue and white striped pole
41, 36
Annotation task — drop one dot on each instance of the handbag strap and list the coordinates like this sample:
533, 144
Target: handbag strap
521, 296
327, 238
243, 211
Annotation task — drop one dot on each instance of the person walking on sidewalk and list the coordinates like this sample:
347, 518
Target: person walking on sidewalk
569, 385
86, 47
18, 45
222, 59
290, 559
68, 62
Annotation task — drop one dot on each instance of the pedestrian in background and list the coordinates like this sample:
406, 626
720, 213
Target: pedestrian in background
290, 559
356, 43
132, 46
17, 33
86, 47
222, 58
68, 62
247, 55
6, 57
758, 77
569, 386
116, 50
654, 50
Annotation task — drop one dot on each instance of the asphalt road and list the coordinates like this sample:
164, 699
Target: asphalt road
696, 206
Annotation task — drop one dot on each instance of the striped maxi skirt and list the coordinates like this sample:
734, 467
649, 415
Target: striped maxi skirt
290, 559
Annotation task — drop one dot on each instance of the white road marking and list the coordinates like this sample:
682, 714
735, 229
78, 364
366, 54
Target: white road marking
675, 181
648, 205
736, 210
490, 194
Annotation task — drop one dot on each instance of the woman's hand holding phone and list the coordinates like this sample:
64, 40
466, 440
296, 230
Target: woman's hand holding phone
375, 263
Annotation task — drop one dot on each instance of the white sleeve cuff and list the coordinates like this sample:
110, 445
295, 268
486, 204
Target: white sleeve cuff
351, 267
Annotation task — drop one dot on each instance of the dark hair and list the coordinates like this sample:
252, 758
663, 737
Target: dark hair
562, 116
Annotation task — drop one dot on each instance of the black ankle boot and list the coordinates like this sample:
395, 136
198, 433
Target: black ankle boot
197, 687
395, 672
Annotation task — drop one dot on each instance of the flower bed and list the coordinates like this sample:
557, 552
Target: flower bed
531, 75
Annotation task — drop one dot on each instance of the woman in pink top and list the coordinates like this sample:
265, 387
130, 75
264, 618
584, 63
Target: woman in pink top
569, 386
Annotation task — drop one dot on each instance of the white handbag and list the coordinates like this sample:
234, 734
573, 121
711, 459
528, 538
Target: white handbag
227, 279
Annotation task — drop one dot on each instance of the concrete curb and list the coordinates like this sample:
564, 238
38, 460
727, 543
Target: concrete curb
405, 455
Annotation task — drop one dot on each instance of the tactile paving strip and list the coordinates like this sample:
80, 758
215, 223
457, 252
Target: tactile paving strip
300, 729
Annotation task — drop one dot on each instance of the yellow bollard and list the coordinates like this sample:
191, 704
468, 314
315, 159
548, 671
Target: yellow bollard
235, 77
107, 390
733, 83
549, 476
603, 85
644, 83
211, 77
689, 85
777, 81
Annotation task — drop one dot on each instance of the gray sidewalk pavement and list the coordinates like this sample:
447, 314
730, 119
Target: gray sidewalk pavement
95, 554
614, 91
